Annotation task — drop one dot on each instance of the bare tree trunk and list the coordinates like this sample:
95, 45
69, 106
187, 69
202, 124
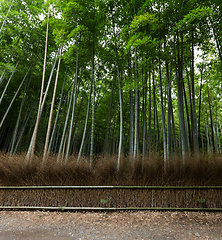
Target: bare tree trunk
211, 121
51, 111
163, 116
64, 134
114, 131
73, 110
120, 100
195, 133
136, 111
190, 138
131, 115
108, 123
21, 132
43, 103
208, 139
30, 152
144, 117
121, 112
150, 116
57, 115
174, 132
9, 107
18, 120
200, 98
93, 114
86, 122
183, 134
2, 77
169, 112
6, 16
6, 86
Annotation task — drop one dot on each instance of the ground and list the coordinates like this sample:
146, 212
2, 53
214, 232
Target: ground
35, 225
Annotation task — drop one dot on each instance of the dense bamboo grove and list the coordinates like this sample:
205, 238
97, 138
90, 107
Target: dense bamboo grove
119, 77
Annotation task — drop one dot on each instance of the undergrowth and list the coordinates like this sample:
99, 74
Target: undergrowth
204, 170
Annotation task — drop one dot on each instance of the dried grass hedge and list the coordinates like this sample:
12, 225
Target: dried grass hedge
205, 170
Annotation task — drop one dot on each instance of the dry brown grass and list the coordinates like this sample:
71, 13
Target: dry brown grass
205, 170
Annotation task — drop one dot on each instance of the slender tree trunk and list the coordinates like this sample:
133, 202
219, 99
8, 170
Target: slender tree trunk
41, 109
218, 136
65, 109
174, 132
21, 132
140, 116
144, 117
30, 152
156, 134
208, 139
93, 97
108, 123
93, 113
169, 113
73, 110
120, 100
199, 115
136, 111
189, 111
195, 133
2, 77
163, 116
114, 131
76, 121
57, 115
51, 111
64, 134
121, 112
183, 134
6, 86
188, 119
211, 121
6, 16
219, 47
86, 122
150, 116
12, 101
18, 120
131, 150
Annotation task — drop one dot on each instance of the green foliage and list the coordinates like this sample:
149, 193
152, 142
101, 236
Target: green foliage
109, 201
201, 200
103, 201
62, 208
143, 28
194, 16
138, 40
147, 20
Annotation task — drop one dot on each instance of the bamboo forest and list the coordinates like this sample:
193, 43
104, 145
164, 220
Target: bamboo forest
118, 86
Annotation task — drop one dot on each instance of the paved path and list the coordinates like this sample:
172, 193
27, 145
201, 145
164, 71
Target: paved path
126, 225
